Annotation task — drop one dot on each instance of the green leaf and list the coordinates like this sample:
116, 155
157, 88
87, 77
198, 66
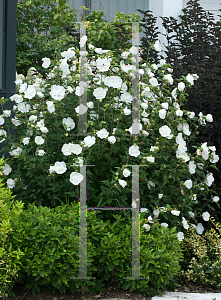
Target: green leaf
115, 262
29, 2
42, 273
111, 266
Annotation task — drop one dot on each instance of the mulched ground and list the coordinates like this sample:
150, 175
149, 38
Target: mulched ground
111, 292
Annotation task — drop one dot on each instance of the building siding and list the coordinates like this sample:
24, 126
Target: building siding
110, 7
76, 4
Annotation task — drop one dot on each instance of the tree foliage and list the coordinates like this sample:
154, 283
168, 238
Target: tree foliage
43, 27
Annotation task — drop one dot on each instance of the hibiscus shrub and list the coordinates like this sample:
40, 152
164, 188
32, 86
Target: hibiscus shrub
194, 47
46, 153
49, 240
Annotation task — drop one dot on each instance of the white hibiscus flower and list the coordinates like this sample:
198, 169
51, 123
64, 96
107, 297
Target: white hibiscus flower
40, 152
180, 236
89, 141
103, 133
76, 149
76, 178
10, 183
30, 92
6, 169
209, 179
57, 92
126, 173
102, 64
67, 149
114, 82
7, 113
134, 151
147, 227
165, 131
39, 140
68, 123
206, 216
188, 184
26, 140
17, 98
100, 93
46, 62
123, 183
111, 139
60, 167
50, 106
2, 121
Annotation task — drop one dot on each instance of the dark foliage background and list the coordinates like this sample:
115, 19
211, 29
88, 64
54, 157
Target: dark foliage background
194, 46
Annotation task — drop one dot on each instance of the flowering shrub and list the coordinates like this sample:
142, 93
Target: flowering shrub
193, 46
45, 155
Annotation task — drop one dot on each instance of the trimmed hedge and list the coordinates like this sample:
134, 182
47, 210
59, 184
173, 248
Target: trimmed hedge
49, 239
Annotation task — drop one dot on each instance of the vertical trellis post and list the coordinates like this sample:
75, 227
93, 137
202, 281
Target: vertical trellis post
82, 127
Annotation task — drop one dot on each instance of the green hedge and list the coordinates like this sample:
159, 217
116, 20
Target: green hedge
49, 240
